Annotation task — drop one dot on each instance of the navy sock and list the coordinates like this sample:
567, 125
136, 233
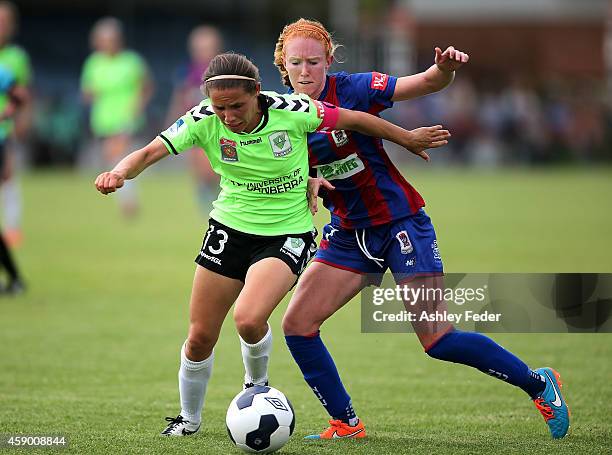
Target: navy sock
481, 352
321, 374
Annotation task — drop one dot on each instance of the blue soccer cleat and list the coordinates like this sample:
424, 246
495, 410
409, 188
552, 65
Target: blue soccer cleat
551, 404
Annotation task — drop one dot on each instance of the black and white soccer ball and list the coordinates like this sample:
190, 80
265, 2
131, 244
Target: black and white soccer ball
260, 419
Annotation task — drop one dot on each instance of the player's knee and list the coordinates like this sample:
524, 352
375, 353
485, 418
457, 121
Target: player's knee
199, 344
296, 324
248, 325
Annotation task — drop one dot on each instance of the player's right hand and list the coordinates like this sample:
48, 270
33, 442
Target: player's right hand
428, 137
108, 182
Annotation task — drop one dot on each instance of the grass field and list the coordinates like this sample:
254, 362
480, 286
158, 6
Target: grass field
91, 351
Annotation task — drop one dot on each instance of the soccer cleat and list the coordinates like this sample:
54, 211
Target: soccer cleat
14, 287
340, 430
178, 426
551, 404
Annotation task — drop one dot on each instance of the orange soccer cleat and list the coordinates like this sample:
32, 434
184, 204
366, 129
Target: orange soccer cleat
339, 430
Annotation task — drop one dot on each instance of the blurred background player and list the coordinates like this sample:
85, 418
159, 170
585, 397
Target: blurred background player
204, 43
378, 223
13, 131
14, 96
116, 83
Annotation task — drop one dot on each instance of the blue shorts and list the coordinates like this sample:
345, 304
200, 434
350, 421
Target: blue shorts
408, 247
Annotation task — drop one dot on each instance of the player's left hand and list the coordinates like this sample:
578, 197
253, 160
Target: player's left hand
314, 183
450, 60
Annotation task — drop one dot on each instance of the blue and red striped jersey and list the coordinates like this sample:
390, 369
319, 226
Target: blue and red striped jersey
369, 189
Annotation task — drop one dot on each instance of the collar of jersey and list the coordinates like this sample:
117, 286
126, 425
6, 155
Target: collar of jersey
263, 105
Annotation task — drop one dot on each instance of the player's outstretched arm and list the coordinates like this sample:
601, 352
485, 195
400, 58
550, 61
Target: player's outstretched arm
130, 166
416, 141
434, 79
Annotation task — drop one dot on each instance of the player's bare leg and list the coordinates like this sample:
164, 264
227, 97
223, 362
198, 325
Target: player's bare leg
212, 296
323, 290
266, 284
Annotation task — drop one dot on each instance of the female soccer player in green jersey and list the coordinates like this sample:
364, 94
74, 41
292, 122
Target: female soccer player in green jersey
260, 234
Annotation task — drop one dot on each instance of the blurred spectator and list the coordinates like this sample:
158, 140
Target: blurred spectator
16, 61
15, 97
514, 121
117, 84
203, 44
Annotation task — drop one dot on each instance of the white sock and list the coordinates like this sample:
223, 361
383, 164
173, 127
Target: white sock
256, 358
11, 204
193, 379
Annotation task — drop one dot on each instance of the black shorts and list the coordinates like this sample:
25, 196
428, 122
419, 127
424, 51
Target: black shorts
230, 253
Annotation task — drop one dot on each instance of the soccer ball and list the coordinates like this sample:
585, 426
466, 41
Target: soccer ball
260, 419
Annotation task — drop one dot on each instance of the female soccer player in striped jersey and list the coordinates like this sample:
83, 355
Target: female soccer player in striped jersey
260, 233
377, 223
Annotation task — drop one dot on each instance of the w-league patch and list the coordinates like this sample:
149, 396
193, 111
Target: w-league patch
340, 137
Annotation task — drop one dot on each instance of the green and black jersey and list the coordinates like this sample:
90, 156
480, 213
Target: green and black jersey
264, 173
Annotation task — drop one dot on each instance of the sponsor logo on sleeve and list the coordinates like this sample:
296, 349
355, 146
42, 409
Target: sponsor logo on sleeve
379, 81
175, 129
320, 109
280, 143
228, 150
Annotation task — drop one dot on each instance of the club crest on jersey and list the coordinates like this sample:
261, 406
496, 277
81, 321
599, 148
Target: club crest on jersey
340, 137
228, 150
404, 242
280, 143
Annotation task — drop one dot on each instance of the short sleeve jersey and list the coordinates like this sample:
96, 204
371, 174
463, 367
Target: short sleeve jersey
116, 84
15, 60
264, 173
370, 190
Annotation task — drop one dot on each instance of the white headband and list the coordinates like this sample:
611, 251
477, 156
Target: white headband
230, 76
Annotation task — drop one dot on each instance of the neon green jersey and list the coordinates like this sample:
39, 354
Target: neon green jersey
264, 173
14, 59
116, 84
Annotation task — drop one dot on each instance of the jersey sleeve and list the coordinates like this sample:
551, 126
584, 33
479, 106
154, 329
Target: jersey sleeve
23, 70
320, 116
373, 90
141, 66
179, 137
328, 113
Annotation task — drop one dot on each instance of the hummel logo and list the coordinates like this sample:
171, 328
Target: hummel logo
337, 436
557, 400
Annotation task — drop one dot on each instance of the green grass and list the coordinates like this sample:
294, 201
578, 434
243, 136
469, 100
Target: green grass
91, 351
